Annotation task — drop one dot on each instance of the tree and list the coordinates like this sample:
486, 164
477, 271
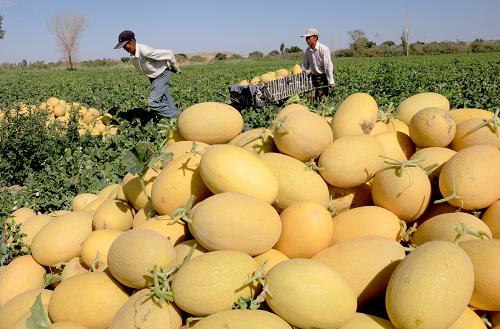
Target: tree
256, 54
389, 43
67, 29
405, 36
273, 53
293, 49
220, 57
359, 42
282, 47
2, 32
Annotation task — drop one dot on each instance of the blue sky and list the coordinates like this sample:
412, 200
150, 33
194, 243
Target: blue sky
240, 26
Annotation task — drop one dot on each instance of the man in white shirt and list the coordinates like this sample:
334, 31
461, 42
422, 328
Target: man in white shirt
318, 60
158, 65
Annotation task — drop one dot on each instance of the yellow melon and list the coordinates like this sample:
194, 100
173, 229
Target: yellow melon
210, 123
258, 140
21, 275
411, 105
96, 247
74, 267
181, 148
20, 304
491, 217
432, 127
133, 191
343, 199
272, 257
356, 115
396, 145
242, 319
81, 200
183, 249
175, 232
366, 321
468, 135
469, 320
113, 215
460, 115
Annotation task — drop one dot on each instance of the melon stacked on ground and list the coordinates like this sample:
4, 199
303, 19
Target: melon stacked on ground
349, 223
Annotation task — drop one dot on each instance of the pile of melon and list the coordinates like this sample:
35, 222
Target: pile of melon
272, 75
346, 222
90, 120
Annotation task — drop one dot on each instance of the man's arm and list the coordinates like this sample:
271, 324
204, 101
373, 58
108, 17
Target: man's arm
327, 60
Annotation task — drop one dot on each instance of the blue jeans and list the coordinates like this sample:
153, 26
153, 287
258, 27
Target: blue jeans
160, 100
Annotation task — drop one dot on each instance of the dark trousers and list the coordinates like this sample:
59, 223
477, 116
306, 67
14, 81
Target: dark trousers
319, 80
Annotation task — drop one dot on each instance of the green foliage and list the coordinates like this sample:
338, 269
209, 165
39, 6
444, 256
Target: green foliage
220, 57
11, 244
2, 32
38, 319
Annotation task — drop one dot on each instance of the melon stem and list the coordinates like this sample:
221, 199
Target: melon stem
486, 123
183, 214
453, 195
463, 230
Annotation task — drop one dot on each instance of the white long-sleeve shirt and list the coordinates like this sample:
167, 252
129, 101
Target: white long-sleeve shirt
152, 62
319, 61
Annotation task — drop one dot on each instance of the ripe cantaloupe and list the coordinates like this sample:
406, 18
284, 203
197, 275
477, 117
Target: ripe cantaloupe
485, 256
307, 293
287, 110
258, 140
343, 199
377, 256
32, 226
396, 145
444, 227
96, 242
297, 182
351, 161
272, 256
235, 221
406, 192
461, 115
61, 239
93, 205
113, 215
67, 325
475, 172
468, 135
433, 156
177, 183
133, 191
108, 191
210, 123
95, 297
20, 304
411, 105
81, 200
356, 115
491, 217
303, 135
141, 311
183, 249
378, 128
366, 321
438, 265
74, 267
21, 215
144, 214
21, 275
219, 286
181, 148
228, 168
306, 230
133, 255
432, 127
242, 319
175, 232
469, 320
361, 221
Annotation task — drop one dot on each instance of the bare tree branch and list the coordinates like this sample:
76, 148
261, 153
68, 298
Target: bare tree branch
67, 29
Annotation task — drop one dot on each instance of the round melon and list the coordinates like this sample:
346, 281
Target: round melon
308, 294
475, 171
21, 275
177, 183
491, 217
405, 192
133, 191
411, 105
61, 239
306, 230
181, 148
228, 168
297, 182
144, 214
343, 199
11, 311
32, 226
440, 266
366, 321
351, 161
356, 115
74, 267
21, 215
461, 115
289, 109
272, 257
469, 320
433, 156
175, 232
212, 282
397, 125
237, 222
485, 256
210, 123
96, 242
432, 127
378, 128
134, 254
366, 262
242, 319
67, 325
303, 135
443, 227
108, 191
258, 140
361, 221
95, 298
183, 249
113, 215
81, 200
467, 134
141, 311
396, 145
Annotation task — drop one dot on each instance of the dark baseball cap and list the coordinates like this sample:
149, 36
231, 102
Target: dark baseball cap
124, 37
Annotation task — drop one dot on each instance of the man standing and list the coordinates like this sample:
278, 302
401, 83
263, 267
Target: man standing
318, 60
158, 65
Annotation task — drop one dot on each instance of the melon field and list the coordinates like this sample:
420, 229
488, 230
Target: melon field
377, 208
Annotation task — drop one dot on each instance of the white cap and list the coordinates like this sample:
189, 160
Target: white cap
310, 31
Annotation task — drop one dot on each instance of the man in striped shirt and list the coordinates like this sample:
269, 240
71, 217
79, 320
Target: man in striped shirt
318, 60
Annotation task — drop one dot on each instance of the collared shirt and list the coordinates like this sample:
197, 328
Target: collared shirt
152, 62
319, 61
